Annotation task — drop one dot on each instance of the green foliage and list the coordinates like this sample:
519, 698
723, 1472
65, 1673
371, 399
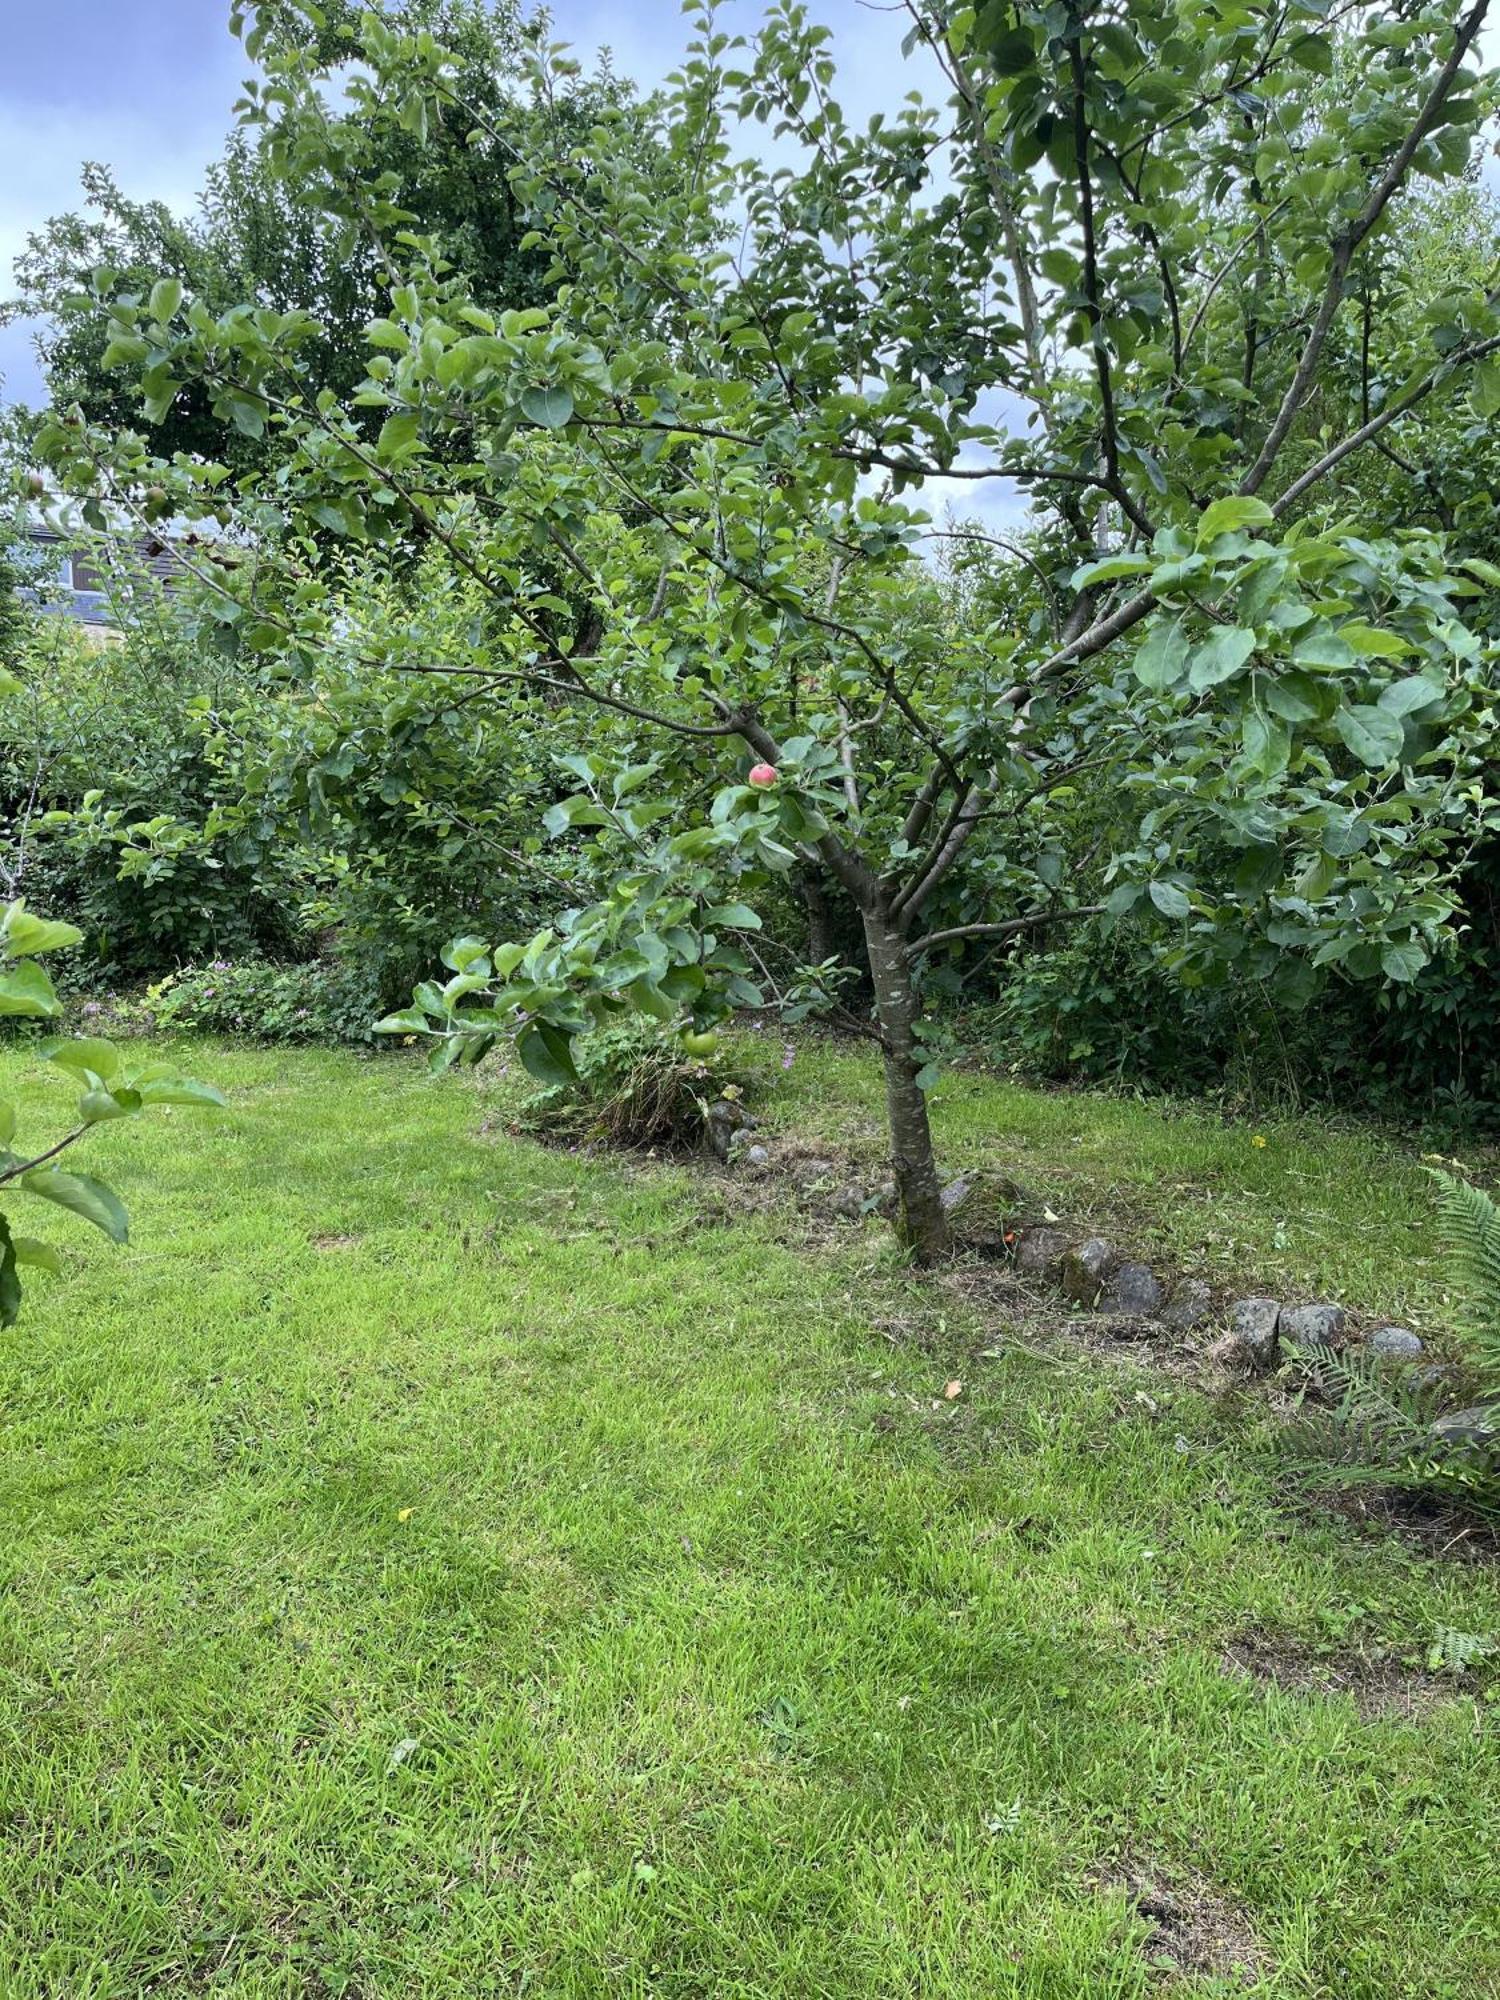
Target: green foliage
1469, 1230
108, 780
1456, 1652
1112, 1007
1385, 1418
316, 1001
260, 232
636, 1087
411, 818
110, 1089
1382, 1424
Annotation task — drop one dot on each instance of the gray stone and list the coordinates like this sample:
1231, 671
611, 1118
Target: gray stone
1255, 1323
848, 1201
1133, 1289
1393, 1343
1085, 1270
723, 1121
887, 1199
1249, 1347
1040, 1250
1434, 1378
757, 1156
1191, 1303
1312, 1326
1476, 1428
1233, 1352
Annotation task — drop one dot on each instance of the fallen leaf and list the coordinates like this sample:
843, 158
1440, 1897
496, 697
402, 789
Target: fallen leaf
952, 1391
401, 1752
405, 1513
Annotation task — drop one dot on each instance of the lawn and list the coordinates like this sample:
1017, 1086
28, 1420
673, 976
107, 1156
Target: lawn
434, 1565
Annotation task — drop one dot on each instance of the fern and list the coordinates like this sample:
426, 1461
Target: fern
1469, 1227
1383, 1422
1381, 1414
1455, 1652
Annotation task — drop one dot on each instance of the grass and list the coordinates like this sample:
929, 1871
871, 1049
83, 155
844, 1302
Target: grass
1317, 1210
438, 1566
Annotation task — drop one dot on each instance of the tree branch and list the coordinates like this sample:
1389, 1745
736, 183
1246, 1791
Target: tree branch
1008, 928
1345, 245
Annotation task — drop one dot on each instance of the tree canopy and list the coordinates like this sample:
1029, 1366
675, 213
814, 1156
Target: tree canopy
263, 234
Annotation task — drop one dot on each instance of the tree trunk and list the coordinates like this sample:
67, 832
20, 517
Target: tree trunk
819, 925
922, 1223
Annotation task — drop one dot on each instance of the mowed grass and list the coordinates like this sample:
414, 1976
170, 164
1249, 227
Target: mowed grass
433, 1565
1293, 1203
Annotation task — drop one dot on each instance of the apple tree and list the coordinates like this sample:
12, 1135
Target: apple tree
1099, 259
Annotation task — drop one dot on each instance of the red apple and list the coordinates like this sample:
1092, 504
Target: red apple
762, 776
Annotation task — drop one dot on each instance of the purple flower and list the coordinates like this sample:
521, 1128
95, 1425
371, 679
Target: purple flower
219, 965
209, 992
92, 1007
788, 1055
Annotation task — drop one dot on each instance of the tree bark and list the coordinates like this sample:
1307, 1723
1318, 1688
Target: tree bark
921, 1222
819, 920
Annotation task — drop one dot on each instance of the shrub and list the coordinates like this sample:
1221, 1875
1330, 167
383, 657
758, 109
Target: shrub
638, 1086
321, 1001
110, 791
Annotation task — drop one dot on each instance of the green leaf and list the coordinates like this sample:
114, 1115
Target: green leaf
546, 1053
1267, 742
82, 1194
126, 350
1170, 900
28, 935
1403, 961
1484, 389
1109, 568
181, 1090
1220, 657
460, 953
87, 1057
1236, 510
1293, 696
410, 1021
8, 1121
734, 917
26, 989
1405, 697
247, 416
1314, 52
166, 297
1161, 661
42, 1256
1373, 734
96, 1107
1373, 642
549, 407
10, 1283
398, 437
